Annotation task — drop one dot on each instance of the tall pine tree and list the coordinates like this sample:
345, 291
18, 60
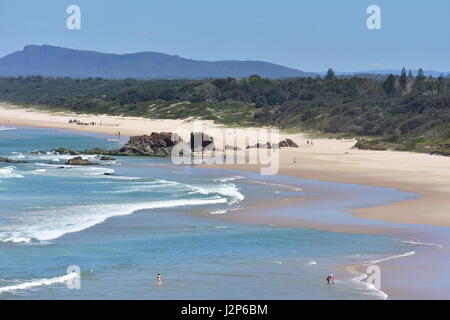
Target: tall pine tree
420, 75
330, 74
389, 85
403, 79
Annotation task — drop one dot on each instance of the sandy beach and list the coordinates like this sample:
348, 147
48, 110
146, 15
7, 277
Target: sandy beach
328, 160
333, 160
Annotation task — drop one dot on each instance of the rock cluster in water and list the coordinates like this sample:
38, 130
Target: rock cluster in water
79, 161
158, 144
6, 160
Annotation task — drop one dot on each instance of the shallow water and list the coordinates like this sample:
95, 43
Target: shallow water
147, 217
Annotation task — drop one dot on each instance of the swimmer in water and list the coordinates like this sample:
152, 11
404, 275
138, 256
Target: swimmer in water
331, 279
158, 279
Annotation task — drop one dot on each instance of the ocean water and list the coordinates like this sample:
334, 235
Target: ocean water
124, 221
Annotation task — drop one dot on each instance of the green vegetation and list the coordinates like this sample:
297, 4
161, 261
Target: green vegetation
401, 113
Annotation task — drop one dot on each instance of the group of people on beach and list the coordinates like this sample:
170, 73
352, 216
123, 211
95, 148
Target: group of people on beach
82, 123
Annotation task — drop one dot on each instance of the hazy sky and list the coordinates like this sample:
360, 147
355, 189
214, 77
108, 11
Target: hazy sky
308, 35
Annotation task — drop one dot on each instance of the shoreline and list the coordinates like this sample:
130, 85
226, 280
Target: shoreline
331, 160
326, 161
393, 267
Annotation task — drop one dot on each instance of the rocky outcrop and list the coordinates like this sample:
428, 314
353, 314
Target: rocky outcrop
38, 152
65, 151
6, 160
266, 145
156, 144
288, 143
95, 151
79, 161
107, 158
200, 141
234, 148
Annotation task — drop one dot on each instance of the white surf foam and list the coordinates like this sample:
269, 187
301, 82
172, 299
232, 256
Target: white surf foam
426, 244
73, 171
39, 283
228, 190
369, 286
9, 172
56, 222
284, 186
406, 254
7, 128
223, 211
227, 179
59, 157
361, 276
220, 211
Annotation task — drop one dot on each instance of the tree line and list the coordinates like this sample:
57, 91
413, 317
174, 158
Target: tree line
403, 112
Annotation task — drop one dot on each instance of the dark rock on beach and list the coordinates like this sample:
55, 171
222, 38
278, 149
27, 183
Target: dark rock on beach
267, 145
201, 141
288, 143
234, 148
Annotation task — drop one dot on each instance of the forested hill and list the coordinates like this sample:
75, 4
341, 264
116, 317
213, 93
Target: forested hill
401, 112
63, 62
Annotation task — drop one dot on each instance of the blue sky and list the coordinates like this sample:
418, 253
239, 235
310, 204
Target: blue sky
308, 35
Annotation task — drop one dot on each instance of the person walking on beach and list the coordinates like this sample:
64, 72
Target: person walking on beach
331, 279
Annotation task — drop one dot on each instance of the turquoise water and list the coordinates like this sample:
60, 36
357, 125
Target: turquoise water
147, 217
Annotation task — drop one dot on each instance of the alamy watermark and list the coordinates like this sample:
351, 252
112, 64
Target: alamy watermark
73, 22
73, 281
227, 146
374, 276
374, 20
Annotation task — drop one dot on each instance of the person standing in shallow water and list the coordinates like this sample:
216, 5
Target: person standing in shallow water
331, 279
158, 279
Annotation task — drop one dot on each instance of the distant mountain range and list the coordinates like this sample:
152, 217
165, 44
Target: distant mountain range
389, 71
54, 61
61, 62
